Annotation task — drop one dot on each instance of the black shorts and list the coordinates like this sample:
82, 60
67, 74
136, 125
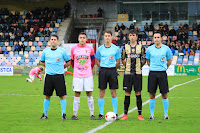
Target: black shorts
132, 80
108, 75
56, 82
158, 78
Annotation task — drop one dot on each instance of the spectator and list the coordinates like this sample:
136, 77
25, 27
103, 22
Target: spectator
186, 49
146, 27
17, 47
193, 47
119, 42
22, 47
123, 26
124, 40
195, 26
185, 25
125, 32
166, 26
117, 27
180, 50
131, 27
198, 46
187, 53
191, 52
100, 12
172, 32
151, 27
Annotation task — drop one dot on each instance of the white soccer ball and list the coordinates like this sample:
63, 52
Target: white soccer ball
110, 116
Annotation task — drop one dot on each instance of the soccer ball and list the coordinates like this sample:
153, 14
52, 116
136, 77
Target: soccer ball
110, 116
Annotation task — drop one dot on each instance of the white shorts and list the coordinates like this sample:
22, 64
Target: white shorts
32, 77
79, 83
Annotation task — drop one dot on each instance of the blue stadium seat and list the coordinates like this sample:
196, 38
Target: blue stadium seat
39, 58
175, 28
24, 34
34, 43
8, 57
22, 39
55, 29
33, 58
25, 43
141, 28
34, 63
3, 48
22, 21
16, 55
196, 56
11, 60
190, 33
1, 44
42, 39
22, 60
194, 38
58, 20
35, 52
195, 63
37, 48
28, 48
25, 52
42, 48
46, 39
11, 44
30, 63
3, 63
44, 44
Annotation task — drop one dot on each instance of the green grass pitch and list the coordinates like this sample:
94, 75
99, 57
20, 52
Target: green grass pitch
21, 106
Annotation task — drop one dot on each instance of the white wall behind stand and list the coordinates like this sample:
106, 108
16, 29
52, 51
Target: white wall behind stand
145, 70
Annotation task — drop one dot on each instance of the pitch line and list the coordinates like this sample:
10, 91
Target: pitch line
108, 123
86, 96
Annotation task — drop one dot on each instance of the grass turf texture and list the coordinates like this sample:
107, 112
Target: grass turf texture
21, 113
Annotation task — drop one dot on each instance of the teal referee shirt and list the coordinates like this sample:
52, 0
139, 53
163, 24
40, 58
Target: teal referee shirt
158, 57
54, 60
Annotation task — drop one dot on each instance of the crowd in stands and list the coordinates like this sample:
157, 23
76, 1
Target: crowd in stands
26, 33
182, 38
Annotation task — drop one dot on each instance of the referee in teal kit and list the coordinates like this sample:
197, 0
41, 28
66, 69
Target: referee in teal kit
159, 57
108, 59
53, 60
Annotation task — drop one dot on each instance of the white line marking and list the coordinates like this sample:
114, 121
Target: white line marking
108, 123
94, 97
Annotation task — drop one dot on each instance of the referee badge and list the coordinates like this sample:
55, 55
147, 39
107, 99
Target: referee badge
58, 59
162, 58
111, 57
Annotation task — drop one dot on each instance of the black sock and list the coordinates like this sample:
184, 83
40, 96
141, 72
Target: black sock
139, 104
126, 104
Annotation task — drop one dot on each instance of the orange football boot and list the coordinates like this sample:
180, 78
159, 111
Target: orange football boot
124, 117
140, 117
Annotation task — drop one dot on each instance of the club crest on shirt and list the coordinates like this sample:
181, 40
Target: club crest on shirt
58, 59
111, 57
133, 50
162, 58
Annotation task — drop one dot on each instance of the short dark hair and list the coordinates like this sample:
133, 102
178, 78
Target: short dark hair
107, 31
41, 68
158, 32
54, 35
133, 31
82, 33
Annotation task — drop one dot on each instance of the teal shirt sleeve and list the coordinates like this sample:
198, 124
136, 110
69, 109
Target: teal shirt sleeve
148, 54
98, 56
169, 54
118, 54
66, 56
43, 56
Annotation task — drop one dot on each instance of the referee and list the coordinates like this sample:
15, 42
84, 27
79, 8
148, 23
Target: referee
53, 60
159, 57
108, 59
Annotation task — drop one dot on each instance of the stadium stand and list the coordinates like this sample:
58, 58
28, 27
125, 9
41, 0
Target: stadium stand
23, 35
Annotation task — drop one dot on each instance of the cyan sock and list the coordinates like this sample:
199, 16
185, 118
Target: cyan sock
63, 104
115, 104
101, 105
46, 106
165, 106
152, 106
